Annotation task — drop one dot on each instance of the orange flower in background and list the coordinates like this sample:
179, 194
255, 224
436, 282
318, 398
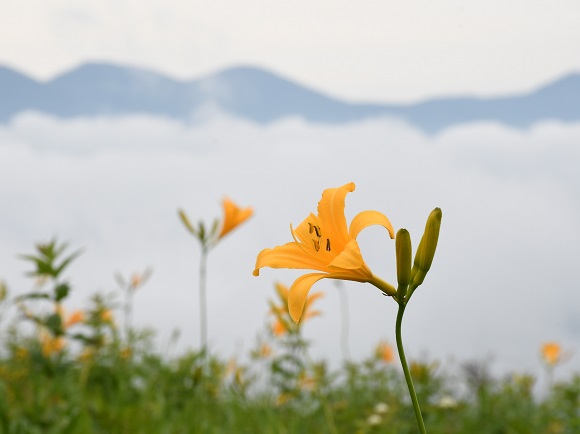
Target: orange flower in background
324, 243
551, 353
107, 316
283, 324
278, 328
74, 318
233, 216
384, 352
265, 351
51, 344
307, 382
135, 280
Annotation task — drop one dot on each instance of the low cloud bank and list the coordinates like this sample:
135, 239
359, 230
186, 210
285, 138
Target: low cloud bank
502, 282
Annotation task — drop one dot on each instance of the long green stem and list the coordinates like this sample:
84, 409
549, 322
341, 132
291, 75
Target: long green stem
128, 314
202, 300
408, 378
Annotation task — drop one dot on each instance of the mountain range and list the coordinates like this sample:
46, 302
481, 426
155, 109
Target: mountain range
96, 89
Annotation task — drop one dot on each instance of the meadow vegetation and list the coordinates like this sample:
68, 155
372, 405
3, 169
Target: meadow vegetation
91, 371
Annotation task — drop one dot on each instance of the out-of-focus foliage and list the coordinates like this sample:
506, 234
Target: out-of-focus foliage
72, 371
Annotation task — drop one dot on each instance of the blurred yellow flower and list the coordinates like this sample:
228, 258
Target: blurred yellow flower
282, 324
422, 371
51, 344
283, 398
307, 382
551, 353
107, 316
233, 216
322, 242
279, 328
21, 353
265, 351
308, 312
231, 367
126, 353
136, 280
74, 318
384, 352
86, 355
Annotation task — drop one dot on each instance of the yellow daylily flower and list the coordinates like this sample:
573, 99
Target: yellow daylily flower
551, 352
323, 242
51, 344
74, 318
282, 324
279, 328
384, 352
233, 216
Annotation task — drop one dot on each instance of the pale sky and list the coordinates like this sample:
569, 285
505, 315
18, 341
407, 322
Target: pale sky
377, 50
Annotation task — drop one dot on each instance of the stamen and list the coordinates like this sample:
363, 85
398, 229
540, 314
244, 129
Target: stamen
317, 229
327, 245
310, 228
316, 245
305, 250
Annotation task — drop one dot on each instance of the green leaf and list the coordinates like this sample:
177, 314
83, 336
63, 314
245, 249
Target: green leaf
61, 292
32, 295
66, 262
54, 324
186, 222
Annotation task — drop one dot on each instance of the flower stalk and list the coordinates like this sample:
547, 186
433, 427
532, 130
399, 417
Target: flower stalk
203, 299
208, 238
406, 372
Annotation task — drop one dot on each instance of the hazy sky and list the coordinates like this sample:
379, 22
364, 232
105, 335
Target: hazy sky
502, 283
377, 50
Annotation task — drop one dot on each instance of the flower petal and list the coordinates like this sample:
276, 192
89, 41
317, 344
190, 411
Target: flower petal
233, 216
368, 218
331, 214
299, 293
289, 255
351, 263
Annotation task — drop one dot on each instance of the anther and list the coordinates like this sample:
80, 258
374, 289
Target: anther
327, 245
316, 245
317, 230
310, 228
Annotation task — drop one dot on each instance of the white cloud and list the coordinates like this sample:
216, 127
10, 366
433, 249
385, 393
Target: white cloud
502, 283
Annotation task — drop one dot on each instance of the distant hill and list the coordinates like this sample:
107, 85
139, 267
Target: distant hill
260, 96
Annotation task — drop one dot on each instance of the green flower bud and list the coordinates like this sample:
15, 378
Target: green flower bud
186, 222
427, 246
404, 253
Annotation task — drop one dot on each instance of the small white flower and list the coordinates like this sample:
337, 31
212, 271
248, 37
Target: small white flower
447, 401
381, 408
374, 420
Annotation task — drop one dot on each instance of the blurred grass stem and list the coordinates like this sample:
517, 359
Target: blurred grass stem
202, 299
344, 329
